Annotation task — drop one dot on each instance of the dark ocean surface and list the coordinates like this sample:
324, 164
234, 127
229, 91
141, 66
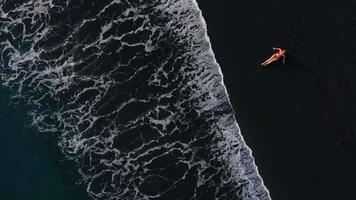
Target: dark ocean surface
126, 96
31, 165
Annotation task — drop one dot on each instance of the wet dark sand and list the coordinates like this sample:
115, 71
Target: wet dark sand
299, 118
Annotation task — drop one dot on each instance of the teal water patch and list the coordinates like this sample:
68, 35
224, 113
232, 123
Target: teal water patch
31, 166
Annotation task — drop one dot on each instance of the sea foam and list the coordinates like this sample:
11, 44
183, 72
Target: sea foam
133, 92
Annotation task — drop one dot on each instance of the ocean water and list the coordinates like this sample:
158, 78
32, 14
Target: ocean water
31, 165
130, 94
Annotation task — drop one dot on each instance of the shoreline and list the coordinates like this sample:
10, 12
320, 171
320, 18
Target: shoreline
292, 116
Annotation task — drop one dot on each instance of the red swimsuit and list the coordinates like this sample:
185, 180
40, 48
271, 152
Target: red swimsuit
279, 54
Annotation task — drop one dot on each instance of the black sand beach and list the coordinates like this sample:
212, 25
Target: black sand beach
133, 95
298, 118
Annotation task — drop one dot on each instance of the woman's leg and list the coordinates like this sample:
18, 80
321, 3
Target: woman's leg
271, 61
265, 62
268, 60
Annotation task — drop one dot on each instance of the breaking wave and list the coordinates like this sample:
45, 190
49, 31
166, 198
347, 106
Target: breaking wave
134, 94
